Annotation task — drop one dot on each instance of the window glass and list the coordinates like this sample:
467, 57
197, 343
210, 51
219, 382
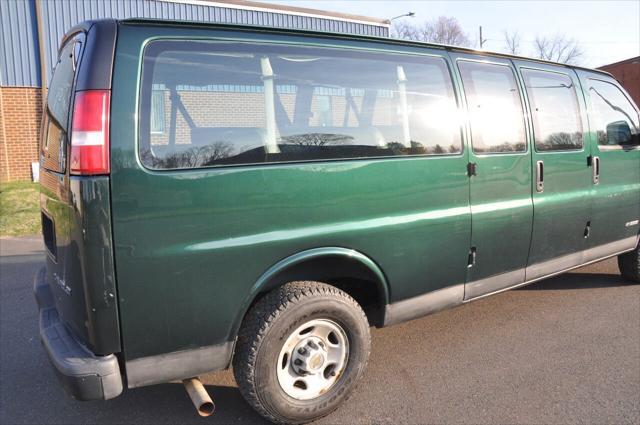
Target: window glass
53, 149
495, 109
207, 104
557, 124
616, 120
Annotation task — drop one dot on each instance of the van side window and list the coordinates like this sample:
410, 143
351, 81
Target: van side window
557, 123
616, 120
495, 108
208, 104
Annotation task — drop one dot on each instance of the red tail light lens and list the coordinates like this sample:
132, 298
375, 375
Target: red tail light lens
90, 133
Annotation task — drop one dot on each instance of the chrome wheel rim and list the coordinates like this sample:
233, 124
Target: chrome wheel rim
312, 359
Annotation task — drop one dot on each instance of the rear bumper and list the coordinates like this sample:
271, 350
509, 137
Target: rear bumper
84, 375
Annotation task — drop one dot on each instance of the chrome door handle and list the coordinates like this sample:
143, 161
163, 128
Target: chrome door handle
540, 176
595, 163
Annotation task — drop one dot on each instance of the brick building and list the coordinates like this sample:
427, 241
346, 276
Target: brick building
628, 73
32, 29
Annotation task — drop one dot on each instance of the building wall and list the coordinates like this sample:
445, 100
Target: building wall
20, 115
628, 74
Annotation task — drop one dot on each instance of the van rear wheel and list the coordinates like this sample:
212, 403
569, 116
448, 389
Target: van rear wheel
300, 352
629, 265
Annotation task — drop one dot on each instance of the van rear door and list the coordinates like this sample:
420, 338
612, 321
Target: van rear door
55, 199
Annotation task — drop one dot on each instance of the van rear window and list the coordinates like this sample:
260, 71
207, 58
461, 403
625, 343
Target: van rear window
54, 142
216, 103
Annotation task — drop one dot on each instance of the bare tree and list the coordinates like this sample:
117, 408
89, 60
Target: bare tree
512, 42
443, 30
447, 30
558, 49
405, 31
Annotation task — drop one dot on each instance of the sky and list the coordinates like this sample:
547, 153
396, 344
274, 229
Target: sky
608, 31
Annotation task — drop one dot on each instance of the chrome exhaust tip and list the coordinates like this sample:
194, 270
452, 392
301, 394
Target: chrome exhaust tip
199, 396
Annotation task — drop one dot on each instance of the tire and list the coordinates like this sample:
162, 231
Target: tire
263, 365
629, 265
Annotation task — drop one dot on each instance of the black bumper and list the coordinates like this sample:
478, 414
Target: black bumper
84, 375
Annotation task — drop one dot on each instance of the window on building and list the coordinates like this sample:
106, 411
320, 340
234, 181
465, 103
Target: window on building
495, 108
616, 120
211, 104
557, 124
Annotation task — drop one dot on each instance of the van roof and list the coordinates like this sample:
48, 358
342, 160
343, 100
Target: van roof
327, 34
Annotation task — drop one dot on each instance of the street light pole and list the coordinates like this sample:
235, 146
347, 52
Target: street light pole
482, 40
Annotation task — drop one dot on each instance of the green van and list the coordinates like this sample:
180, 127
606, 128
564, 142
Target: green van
217, 196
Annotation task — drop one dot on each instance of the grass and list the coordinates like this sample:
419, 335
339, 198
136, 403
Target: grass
19, 209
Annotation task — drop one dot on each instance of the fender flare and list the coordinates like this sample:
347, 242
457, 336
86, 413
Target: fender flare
262, 284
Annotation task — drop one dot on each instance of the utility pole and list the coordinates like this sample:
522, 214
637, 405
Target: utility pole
482, 40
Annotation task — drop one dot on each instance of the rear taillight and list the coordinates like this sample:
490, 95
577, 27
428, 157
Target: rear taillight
90, 133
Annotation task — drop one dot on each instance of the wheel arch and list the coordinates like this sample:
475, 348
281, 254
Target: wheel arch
347, 269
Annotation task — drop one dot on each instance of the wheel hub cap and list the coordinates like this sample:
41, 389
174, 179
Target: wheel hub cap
309, 355
312, 359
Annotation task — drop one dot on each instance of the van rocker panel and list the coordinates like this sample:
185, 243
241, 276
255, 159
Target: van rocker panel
178, 365
443, 299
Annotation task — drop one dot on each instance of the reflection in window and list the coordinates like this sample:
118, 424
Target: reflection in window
207, 104
616, 121
495, 109
557, 123
157, 111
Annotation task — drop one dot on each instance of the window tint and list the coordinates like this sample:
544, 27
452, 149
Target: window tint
557, 123
53, 148
207, 104
616, 120
495, 109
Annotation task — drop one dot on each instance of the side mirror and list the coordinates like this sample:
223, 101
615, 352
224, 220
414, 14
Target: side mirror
618, 133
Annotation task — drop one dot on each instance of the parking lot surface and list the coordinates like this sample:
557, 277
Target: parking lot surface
563, 350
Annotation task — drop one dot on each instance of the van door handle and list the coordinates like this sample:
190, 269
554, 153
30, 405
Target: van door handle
540, 176
596, 169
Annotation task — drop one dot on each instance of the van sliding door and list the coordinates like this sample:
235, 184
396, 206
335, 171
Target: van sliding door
500, 168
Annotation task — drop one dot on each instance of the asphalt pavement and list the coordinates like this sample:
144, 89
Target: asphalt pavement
563, 350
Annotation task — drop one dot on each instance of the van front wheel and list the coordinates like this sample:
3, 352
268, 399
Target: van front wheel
629, 265
300, 352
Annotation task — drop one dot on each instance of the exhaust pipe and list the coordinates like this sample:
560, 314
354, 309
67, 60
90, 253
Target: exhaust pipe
199, 396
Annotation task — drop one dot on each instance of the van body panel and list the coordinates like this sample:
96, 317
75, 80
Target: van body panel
616, 197
97, 58
228, 225
92, 253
